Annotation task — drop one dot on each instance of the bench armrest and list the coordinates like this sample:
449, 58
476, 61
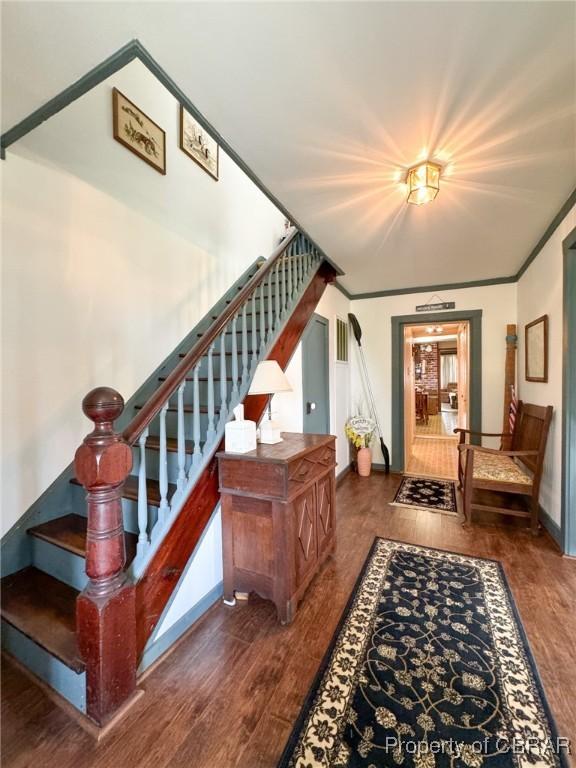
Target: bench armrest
481, 434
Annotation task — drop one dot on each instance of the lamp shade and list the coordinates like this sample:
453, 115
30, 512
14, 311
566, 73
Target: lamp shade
269, 379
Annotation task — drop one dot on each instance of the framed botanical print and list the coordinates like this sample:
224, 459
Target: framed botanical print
536, 350
137, 132
197, 143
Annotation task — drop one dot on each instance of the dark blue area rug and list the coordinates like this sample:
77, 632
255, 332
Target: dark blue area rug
429, 668
428, 494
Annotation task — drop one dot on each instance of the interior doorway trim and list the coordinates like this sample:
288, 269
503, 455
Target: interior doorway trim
399, 322
568, 522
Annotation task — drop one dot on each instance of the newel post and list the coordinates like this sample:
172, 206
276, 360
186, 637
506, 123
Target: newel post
106, 609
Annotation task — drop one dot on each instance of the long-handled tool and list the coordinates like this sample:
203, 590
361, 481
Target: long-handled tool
358, 336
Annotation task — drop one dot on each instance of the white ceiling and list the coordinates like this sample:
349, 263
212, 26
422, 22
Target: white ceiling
330, 102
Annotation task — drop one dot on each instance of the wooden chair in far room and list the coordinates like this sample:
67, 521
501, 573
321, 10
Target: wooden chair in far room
422, 407
489, 478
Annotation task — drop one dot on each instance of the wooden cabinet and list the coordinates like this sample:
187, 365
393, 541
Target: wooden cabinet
278, 517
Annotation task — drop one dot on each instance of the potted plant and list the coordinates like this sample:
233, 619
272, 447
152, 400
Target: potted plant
359, 430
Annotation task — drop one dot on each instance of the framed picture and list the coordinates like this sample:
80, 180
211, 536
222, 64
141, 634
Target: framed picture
536, 349
137, 132
197, 143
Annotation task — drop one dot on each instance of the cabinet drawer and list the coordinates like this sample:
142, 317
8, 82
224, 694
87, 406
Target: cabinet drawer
309, 467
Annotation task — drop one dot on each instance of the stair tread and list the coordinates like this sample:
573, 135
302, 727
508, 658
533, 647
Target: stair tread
69, 532
43, 609
153, 442
130, 490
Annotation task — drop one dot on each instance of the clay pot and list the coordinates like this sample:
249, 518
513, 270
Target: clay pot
364, 461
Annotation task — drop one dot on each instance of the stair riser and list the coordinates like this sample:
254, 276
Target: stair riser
60, 563
153, 465
129, 508
65, 681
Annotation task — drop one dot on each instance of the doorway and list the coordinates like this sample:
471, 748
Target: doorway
315, 377
401, 369
436, 394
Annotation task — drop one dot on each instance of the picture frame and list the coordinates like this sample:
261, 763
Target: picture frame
137, 132
536, 350
198, 144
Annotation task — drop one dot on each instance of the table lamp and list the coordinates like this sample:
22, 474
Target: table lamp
268, 380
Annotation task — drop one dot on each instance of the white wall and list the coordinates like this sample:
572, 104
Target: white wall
289, 406
203, 572
540, 292
498, 304
106, 266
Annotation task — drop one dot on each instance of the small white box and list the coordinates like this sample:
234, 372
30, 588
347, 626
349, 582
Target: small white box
240, 435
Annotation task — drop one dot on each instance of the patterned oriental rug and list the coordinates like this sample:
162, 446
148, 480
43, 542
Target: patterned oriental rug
428, 668
425, 493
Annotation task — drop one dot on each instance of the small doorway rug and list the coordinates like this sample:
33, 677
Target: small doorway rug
428, 668
425, 493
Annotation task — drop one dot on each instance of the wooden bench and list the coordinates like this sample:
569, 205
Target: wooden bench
486, 475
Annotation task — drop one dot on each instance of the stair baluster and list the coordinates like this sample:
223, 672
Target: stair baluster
244, 346
262, 320
270, 306
254, 335
164, 509
277, 294
181, 480
197, 455
289, 270
223, 385
211, 431
143, 541
235, 397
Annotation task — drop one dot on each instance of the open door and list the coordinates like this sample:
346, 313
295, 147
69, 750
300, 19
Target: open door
463, 374
409, 396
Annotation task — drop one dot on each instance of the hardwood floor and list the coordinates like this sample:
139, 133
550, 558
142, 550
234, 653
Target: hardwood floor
229, 693
433, 457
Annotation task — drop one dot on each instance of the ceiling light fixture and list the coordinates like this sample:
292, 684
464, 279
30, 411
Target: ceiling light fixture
423, 183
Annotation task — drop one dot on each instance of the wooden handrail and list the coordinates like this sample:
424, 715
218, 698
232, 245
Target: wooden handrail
175, 378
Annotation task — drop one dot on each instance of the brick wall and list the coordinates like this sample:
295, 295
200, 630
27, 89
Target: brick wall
430, 378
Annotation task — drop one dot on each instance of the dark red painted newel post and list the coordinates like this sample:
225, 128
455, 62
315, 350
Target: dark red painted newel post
106, 609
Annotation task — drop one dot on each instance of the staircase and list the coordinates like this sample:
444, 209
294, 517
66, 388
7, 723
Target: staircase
80, 613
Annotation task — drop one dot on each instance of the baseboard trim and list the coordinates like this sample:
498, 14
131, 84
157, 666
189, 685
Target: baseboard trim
552, 528
342, 475
159, 649
88, 725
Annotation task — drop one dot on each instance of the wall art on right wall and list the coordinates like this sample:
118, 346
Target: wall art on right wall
536, 348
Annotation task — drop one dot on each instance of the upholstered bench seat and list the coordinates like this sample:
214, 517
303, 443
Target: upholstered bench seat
491, 466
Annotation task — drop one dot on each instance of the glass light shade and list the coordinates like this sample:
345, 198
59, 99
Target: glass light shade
269, 379
423, 183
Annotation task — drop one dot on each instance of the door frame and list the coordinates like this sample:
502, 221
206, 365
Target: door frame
568, 518
474, 318
324, 322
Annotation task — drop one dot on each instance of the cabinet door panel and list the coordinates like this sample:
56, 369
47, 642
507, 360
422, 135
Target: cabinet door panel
325, 507
306, 539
